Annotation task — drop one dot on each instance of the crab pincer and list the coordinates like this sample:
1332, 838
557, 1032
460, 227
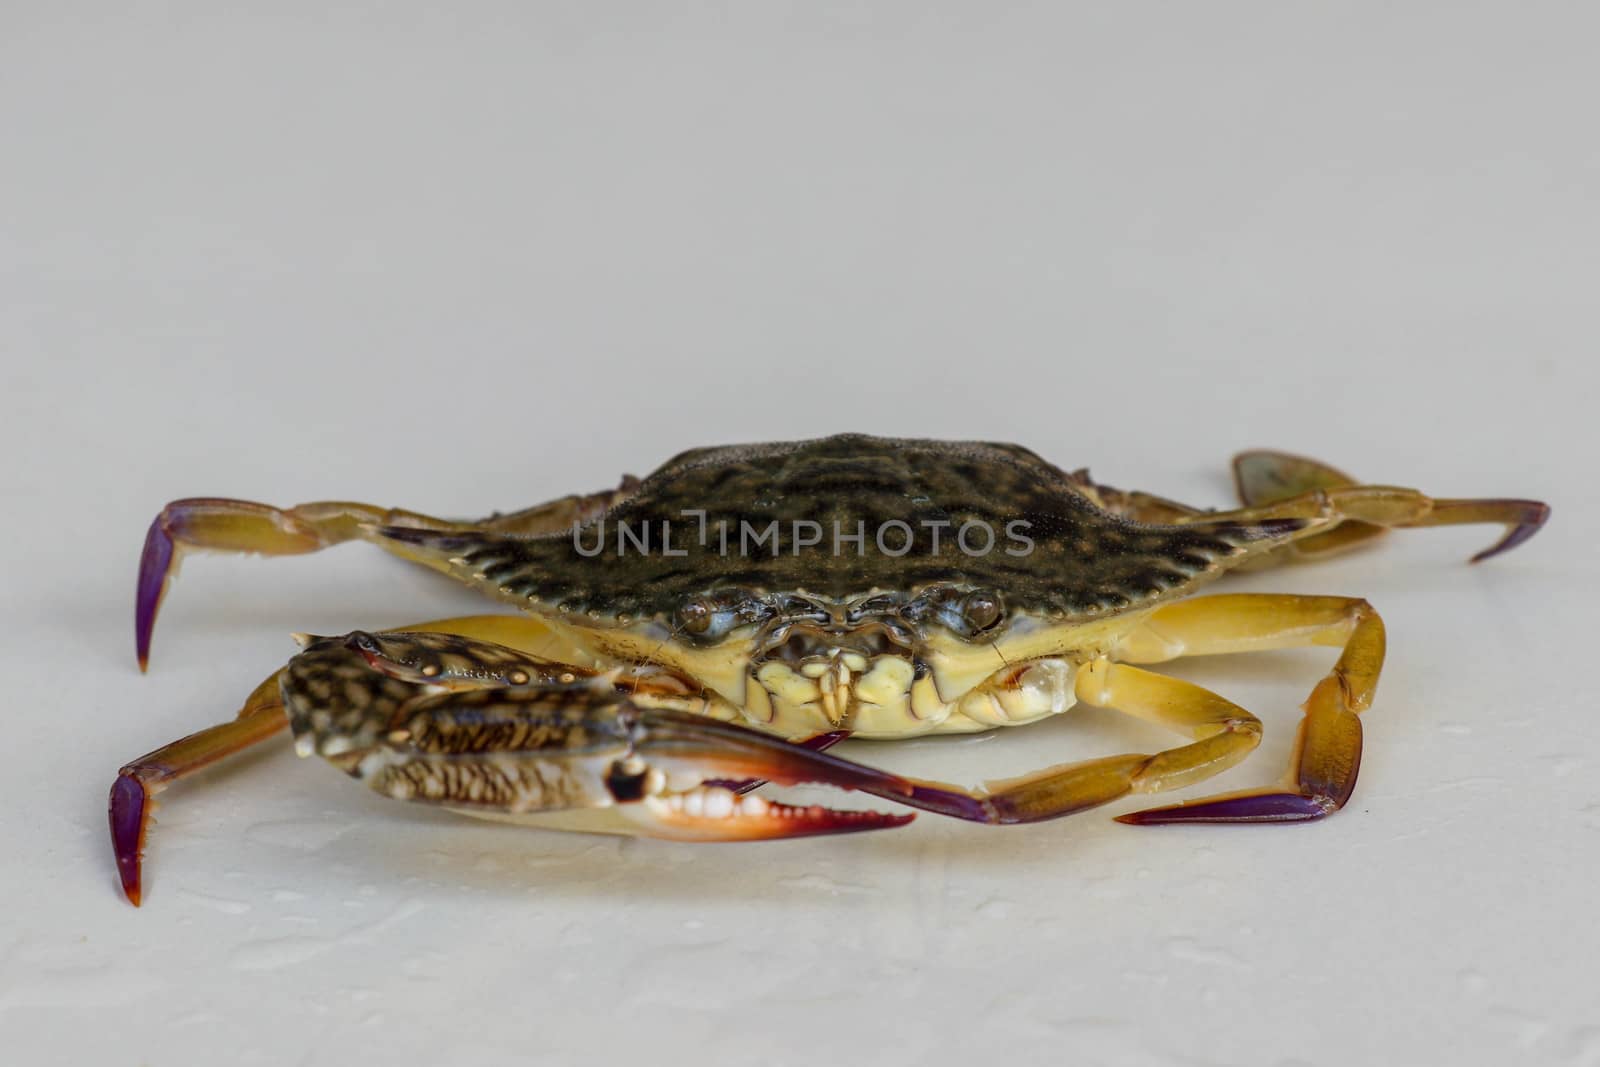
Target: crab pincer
489, 731
680, 743
492, 731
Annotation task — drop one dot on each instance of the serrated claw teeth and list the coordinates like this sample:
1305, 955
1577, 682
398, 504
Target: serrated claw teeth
715, 813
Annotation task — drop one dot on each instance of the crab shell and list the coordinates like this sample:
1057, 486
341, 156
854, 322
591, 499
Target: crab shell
886, 587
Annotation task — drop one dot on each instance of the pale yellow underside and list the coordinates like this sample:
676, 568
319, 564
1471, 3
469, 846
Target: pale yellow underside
1026, 676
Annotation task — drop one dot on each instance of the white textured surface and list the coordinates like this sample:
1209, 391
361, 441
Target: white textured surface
462, 261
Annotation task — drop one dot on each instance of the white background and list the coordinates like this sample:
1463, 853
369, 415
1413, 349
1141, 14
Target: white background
467, 257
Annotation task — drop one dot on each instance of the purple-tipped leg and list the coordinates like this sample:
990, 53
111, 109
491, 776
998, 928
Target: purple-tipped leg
155, 565
1243, 807
128, 813
132, 799
1530, 516
225, 526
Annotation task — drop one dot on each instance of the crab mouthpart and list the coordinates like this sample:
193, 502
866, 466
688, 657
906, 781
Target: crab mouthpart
826, 673
798, 646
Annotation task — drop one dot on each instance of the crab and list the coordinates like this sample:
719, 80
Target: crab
725, 620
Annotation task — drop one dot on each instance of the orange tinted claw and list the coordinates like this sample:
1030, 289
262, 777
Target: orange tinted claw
712, 813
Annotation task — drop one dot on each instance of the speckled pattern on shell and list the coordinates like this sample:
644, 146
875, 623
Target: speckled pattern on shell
1083, 561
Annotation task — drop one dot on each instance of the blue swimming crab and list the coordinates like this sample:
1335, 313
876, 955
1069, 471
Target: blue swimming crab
722, 622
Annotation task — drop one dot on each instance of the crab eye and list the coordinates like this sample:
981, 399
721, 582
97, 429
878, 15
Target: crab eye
980, 610
711, 618
694, 616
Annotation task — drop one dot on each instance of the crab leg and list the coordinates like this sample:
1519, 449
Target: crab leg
1328, 750
223, 525
1276, 485
1392, 506
1262, 476
1223, 733
132, 800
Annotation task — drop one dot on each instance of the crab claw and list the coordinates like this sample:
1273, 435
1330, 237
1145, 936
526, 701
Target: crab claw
675, 740
670, 744
816, 743
713, 813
